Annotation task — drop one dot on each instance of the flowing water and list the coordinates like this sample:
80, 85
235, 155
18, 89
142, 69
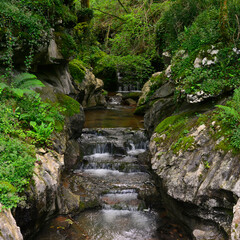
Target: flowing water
113, 175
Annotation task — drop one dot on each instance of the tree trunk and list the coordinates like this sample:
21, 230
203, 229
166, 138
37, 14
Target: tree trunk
224, 23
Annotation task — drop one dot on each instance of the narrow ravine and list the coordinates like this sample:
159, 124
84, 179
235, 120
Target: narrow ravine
114, 179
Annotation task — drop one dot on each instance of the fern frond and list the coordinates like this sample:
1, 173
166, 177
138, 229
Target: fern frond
231, 112
26, 80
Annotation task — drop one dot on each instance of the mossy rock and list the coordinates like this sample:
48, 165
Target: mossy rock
77, 70
66, 44
140, 110
133, 95
72, 106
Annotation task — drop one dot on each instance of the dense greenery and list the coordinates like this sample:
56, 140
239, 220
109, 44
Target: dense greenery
120, 41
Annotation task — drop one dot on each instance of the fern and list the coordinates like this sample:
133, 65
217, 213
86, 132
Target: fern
230, 112
26, 81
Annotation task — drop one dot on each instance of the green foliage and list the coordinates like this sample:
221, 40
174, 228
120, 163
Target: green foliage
77, 70
229, 117
21, 27
26, 81
203, 31
179, 15
18, 114
16, 168
176, 128
131, 68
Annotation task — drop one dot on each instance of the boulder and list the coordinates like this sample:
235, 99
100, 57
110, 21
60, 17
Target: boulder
130, 102
91, 91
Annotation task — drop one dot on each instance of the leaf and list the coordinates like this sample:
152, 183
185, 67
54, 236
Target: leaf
19, 92
26, 80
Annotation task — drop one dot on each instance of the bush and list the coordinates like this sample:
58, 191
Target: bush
16, 169
229, 118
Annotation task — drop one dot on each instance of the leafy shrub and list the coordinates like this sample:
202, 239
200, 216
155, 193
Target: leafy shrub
229, 117
16, 168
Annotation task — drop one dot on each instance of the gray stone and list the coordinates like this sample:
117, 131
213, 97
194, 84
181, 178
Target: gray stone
91, 91
8, 227
164, 91
206, 179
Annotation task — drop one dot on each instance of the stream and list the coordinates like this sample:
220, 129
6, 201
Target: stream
115, 178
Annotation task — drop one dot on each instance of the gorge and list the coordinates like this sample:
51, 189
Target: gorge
119, 119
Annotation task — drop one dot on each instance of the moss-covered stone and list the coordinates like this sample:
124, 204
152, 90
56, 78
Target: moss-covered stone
71, 106
183, 143
66, 44
140, 110
77, 70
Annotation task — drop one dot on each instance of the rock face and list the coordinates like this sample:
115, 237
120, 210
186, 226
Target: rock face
41, 200
8, 228
200, 185
162, 107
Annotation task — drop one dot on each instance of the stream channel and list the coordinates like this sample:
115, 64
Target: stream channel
115, 178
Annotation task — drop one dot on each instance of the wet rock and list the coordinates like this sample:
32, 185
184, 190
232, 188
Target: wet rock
72, 154
164, 91
75, 124
8, 227
130, 102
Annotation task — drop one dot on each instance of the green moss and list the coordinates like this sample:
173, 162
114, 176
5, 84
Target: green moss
77, 70
105, 93
140, 110
183, 143
132, 95
170, 123
71, 106
81, 206
176, 128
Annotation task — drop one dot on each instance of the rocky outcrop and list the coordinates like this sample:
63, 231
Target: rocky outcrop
41, 202
8, 227
199, 185
91, 91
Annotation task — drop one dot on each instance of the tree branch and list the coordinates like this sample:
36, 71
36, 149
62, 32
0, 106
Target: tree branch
123, 6
109, 14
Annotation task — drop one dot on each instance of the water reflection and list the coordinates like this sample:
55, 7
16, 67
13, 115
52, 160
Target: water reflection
122, 116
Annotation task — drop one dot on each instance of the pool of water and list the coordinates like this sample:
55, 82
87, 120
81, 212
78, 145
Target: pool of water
118, 116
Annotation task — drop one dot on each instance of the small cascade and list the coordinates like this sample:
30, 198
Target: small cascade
128, 87
111, 155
